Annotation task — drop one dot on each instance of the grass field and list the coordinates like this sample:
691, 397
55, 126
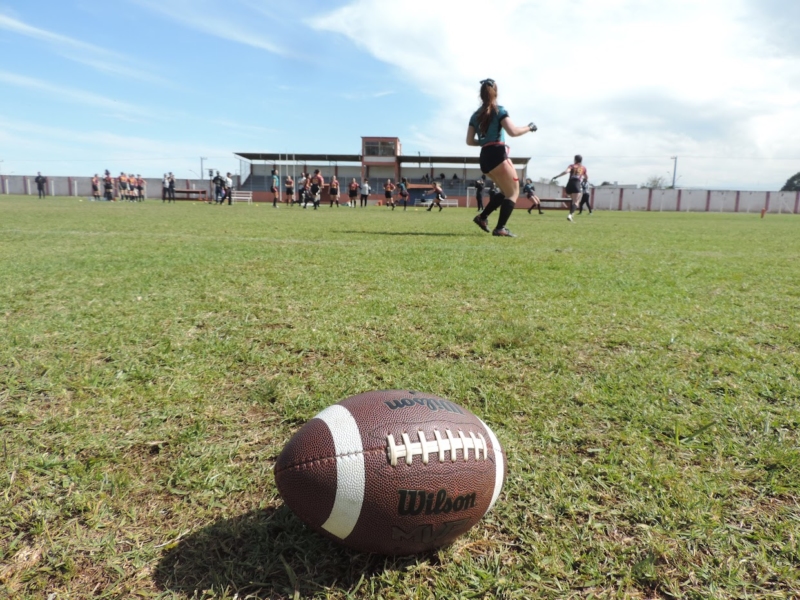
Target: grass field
641, 370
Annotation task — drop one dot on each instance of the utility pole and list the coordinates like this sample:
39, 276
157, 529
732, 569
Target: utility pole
202, 158
674, 169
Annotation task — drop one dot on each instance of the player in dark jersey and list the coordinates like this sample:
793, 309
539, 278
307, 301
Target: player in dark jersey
317, 183
352, 192
486, 130
95, 187
438, 196
288, 185
108, 187
403, 187
530, 193
388, 192
333, 191
577, 175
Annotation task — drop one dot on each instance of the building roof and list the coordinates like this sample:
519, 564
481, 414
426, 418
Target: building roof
407, 158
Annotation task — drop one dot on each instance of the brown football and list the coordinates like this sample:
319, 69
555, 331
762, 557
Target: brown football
392, 472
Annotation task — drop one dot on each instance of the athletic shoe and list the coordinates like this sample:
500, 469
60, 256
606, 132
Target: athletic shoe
503, 233
482, 223
569, 218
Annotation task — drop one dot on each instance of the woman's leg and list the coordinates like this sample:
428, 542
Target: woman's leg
575, 198
505, 176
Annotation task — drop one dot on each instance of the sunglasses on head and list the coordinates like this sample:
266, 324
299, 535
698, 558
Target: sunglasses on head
488, 82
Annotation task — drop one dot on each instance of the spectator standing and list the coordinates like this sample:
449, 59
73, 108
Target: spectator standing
218, 182
274, 187
95, 187
108, 186
365, 190
289, 186
333, 191
41, 182
480, 183
229, 188
352, 191
171, 188
164, 188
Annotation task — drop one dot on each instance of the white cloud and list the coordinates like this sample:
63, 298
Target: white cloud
621, 78
81, 97
215, 19
93, 56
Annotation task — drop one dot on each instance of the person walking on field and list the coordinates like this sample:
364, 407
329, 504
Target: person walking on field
365, 190
352, 191
585, 197
403, 187
486, 127
577, 175
530, 194
438, 196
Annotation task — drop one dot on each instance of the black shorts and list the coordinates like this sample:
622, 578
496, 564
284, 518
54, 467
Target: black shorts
290, 191
354, 194
273, 190
492, 157
574, 186
123, 185
388, 195
314, 189
333, 191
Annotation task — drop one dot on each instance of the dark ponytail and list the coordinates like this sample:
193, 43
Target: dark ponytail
489, 107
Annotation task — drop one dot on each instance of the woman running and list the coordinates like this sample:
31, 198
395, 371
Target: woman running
352, 192
403, 187
530, 194
486, 130
333, 191
577, 174
438, 196
388, 192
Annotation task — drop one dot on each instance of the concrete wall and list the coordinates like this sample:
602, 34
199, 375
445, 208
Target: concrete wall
603, 198
82, 186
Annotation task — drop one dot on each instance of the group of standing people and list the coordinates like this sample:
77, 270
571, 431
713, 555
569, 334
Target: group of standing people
131, 188
223, 188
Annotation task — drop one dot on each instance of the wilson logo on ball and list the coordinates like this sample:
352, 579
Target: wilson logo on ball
414, 502
432, 404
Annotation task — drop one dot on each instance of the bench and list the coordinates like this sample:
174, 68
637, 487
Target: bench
242, 196
564, 201
201, 194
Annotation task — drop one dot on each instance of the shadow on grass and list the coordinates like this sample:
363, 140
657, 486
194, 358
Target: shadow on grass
406, 233
264, 554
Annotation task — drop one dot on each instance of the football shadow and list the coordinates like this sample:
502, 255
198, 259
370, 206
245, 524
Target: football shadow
264, 554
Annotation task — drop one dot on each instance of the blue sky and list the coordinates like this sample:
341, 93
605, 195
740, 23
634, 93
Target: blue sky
153, 85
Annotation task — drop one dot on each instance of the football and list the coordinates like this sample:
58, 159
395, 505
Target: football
392, 472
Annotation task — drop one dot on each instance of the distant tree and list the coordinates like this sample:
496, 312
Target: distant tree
544, 180
605, 183
655, 182
792, 184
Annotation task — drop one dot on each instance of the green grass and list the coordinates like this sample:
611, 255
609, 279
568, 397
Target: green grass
641, 370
